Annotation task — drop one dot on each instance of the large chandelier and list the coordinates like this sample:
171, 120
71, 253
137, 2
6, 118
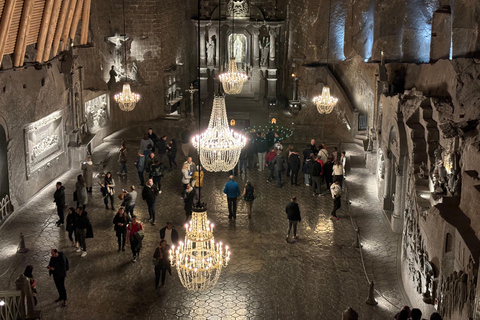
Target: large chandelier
126, 99
219, 147
199, 260
325, 103
232, 81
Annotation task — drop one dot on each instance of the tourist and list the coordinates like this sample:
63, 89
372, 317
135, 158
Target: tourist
197, 182
186, 177
243, 159
122, 159
343, 162
162, 149
169, 234
279, 165
28, 273
337, 172
316, 173
312, 147
108, 190
293, 215
152, 136
289, 152
149, 195
71, 226
145, 142
248, 195
156, 174
416, 314
232, 191
262, 148
435, 316
322, 154
129, 201
294, 163
191, 165
307, 168
268, 161
172, 153
270, 136
186, 136
140, 165
328, 173
87, 168
135, 237
252, 155
58, 267
59, 199
334, 154
188, 201
336, 192
162, 262
120, 222
149, 161
83, 230
81, 192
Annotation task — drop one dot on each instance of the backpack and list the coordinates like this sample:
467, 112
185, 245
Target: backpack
65, 261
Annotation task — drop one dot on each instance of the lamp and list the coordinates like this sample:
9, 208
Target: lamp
126, 99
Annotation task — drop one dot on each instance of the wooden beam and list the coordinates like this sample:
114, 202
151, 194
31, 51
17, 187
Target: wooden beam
42, 35
51, 29
21, 43
60, 25
5, 22
85, 20
76, 18
68, 23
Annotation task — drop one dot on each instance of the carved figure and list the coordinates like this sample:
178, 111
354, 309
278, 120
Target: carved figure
238, 9
422, 171
264, 50
210, 51
113, 78
238, 50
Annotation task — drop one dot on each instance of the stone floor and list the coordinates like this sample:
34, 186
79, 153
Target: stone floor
315, 278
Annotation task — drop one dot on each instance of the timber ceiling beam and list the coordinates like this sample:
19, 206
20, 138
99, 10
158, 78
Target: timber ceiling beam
68, 23
76, 18
51, 29
5, 22
21, 44
85, 20
60, 24
42, 36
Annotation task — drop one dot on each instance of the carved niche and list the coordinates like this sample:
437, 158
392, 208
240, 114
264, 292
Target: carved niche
238, 9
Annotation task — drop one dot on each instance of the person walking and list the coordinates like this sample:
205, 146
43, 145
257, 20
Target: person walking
186, 177
59, 199
262, 148
108, 190
294, 161
162, 150
58, 267
81, 191
279, 165
156, 174
337, 172
169, 234
243, 159
328, 173
336, 191
140, 165
232, 191
249, 195
145, 142
122, 160
129, 201
28, 273
135, 237
197, 183
152, 136
293, 215
71, 227
188, 201
87, 168
149, 195
172, 153
83, 230
120, 222
162, 262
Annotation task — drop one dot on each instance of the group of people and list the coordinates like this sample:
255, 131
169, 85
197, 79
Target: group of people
414, 314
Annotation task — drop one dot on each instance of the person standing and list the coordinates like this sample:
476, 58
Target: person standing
249, 195
328, 173
197, 178
232, 191
279, 165
82, 224
338, 172
169, 234
293, 215
186, 177
307, 169
149, 195
152, 136
33, 282
188, 200
135, 237
312, 147
162, 262
58, 267
162, 150
140, 165
87, 168
108, 190
336, 191
294, 161
81, 190
191, 165
156, 174
172, 153
145, 142
120, 222
270, 136
59, 199
186, 136
149, 161
71, 226
129, 201
316, 175
262, 148
122, 160
322, 154
334, 154
269, 159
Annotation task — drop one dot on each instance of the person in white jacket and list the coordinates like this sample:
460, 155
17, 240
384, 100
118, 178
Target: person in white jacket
336, 191
186, 177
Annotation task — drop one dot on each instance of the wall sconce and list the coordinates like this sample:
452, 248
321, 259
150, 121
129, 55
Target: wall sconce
232, 122
274, 121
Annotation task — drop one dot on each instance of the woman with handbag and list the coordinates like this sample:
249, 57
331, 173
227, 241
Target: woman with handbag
120, 222
161, 262
135, 236
249, 195
71, 226
108, 190
81, 192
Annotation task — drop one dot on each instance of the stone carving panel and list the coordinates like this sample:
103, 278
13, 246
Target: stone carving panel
97, 113
238, 9
458, 293
44, 141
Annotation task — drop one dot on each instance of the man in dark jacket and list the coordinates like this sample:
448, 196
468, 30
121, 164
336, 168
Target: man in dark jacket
162, 149
294, 162
83, 230
316, 176
312, 147
270, 138
279, 164
59, 199
169, 234
152, 136
140, 164
262, 148
232, 190
58, 267
327, 172
149, 194
293, 216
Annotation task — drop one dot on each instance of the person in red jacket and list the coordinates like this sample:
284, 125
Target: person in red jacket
134, 237
268, 160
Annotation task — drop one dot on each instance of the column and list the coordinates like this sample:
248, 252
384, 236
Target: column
255, 60
387, 196
399, 206
203, 58
273, 33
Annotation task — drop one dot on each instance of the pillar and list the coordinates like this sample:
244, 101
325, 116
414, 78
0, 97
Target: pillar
256, 58
399, 206
273, 33
203, 57
387, 194
272, 83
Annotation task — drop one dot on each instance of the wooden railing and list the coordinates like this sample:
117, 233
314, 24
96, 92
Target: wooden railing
11, 306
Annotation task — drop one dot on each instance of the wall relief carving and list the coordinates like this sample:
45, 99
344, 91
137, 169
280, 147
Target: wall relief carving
238, 9
97, 113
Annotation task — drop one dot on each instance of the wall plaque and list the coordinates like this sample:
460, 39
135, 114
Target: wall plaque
44, 141
97, 113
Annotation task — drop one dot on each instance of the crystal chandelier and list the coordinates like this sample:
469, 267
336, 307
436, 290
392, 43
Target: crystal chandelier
232, 81
325, 103
199, 260
219, 147
126, 99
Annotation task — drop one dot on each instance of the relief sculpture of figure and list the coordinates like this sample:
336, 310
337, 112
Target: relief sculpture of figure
238, 50
210, 51
264, 50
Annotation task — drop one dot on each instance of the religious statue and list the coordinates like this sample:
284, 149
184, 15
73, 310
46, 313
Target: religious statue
264, 49
238, 9
210, 51
113, 78
238, 50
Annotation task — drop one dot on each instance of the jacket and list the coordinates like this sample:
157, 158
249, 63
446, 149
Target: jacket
130, 198
316, 169
198, 179
262, 145
232, 190
59, 265
122, 156
269, 158
116, 220
279, 163
144, 144
81, 221
307, 166
174, 234
163, 257
70, 226
306, 154
149, 194
59, 197
294, 161
186, 176
323, 154
293, 211
162, 146
328, 170
140, 164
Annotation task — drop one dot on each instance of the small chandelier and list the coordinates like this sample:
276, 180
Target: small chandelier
126, 99
325, 103
199, 260
232, 81
219, 147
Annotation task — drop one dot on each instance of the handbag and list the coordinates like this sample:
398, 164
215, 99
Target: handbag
75, 197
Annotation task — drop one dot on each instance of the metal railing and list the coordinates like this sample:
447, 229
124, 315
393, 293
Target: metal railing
12, 307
